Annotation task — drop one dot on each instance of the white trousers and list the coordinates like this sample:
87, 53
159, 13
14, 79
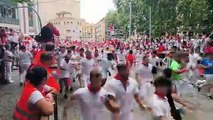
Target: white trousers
8, 66
24, 67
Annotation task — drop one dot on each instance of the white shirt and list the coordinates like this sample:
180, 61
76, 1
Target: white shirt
62, 55
92, 105
8, 55
24, 57
69, 68
154, 60
145, 72
87, 65
193, 58
160, 108
121, 57
125, 97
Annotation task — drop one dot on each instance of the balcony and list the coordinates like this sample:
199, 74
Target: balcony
9, 21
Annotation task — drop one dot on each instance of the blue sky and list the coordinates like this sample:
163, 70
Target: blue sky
95, 10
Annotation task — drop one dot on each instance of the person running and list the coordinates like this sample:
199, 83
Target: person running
178, 69
159, 103
130, 58
93, 98
67, 67
124, 89
86, 66
144, 78
207, 65
32, 104
24, 58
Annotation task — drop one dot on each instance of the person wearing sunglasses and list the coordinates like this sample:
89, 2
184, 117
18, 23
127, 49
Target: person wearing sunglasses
92, 99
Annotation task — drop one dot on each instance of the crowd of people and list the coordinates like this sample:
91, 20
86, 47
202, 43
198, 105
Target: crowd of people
112, 74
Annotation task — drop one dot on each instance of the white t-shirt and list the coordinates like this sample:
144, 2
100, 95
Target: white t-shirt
121, 57
145, 72
37, 95
125, 97
24, 57
154, 60
70, 68
87, 65
8, 55
62, 55
160, 108
92, 105
193, 58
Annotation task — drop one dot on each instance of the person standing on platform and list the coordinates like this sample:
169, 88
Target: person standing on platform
8, 61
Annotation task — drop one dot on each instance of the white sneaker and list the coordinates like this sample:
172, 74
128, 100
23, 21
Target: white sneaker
11, 81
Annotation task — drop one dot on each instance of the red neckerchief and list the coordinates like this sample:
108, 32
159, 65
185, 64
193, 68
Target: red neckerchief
89, 57
160, 95
118, 77
145, 65
93, 90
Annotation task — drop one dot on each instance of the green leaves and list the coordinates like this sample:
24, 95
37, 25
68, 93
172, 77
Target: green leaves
24, 1
167, 15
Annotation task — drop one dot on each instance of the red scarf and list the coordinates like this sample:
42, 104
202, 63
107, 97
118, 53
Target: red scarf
118, 77
93, 90
160, 95
89, 57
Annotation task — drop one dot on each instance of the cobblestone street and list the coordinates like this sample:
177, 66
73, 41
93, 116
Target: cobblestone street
10, 93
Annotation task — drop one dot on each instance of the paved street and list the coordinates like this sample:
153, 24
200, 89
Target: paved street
10, 93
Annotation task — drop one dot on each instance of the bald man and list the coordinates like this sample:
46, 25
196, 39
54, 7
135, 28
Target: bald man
94, 98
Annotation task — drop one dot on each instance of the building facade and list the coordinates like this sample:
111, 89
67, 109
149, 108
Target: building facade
69, 27
100, 30
88, 32
16, 16
49, 8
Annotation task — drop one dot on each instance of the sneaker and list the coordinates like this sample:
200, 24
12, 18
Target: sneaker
210, 97
11, 81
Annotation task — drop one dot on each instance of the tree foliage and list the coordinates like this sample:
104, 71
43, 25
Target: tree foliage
170, 16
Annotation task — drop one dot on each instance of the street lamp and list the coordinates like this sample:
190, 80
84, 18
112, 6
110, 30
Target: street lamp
130, 18
17, 7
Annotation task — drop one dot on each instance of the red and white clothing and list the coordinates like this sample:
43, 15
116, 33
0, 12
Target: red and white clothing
125, 97
160, 108
91, 104
145, 76
86, 67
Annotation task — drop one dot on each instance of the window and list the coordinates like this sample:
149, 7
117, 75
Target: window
68, 31
68, 22
73, 30
65, 23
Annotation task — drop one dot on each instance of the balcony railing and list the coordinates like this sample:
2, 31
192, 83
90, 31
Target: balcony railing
9, 20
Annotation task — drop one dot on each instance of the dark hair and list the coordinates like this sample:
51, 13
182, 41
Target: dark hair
162, 81
154, 52
49, 47
36, 75
82, 49
121, 67
167, 72
130, 52
22, 47
46, 57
